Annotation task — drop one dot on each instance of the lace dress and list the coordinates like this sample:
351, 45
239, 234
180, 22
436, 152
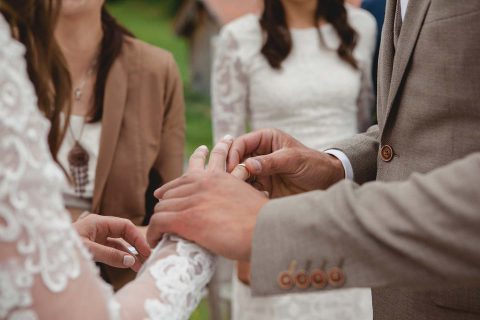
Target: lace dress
45, 271
315, 97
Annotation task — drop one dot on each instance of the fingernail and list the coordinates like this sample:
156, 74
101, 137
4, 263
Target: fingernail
128, 261
228, 137
257, 166
132, 250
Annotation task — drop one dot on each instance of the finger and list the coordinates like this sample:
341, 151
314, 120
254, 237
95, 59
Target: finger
180, 192
257, 142
263, 184
173, 205
218, 156
241, 172
83, 215
113, 227
119, 245
198, 159
281, 161
161, 223
185, 179
110, 256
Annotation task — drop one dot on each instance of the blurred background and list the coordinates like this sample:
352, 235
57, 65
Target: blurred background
187, 28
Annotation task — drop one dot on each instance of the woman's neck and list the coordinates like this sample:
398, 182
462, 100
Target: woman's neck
79, 38
300, 15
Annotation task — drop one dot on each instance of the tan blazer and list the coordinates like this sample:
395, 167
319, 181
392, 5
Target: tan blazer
143, 130
413, 234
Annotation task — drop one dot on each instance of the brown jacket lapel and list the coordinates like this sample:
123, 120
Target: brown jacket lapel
417, 10
114, 106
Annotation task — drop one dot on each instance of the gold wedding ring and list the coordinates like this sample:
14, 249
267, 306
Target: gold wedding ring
246, 169
250, 178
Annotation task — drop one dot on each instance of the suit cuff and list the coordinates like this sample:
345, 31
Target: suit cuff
347, 165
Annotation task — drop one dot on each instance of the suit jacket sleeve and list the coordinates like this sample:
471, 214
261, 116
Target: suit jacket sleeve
362, 151
169, 163
422, 232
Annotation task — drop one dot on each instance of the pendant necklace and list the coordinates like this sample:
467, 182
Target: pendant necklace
78, 157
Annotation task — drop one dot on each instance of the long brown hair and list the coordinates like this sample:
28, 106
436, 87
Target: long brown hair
33, 23
110, 48
278, 44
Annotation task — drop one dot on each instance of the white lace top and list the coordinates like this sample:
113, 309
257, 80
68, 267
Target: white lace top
45, 271
316, 96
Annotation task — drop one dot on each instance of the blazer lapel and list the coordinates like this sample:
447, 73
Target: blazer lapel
417, 10
114, 106
385, 63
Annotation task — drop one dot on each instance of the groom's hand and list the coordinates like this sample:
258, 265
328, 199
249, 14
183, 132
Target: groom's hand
209, 206
282, 165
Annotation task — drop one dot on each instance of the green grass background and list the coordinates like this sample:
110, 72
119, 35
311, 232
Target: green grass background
152, 22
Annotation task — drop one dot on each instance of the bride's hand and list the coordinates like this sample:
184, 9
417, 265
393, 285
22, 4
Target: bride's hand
209, 206
102, 234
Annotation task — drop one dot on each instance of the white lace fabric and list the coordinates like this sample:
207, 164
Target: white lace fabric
45, 271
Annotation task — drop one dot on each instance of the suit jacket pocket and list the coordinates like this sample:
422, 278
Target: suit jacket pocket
463, 299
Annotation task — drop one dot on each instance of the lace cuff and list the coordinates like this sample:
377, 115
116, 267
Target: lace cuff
173, 280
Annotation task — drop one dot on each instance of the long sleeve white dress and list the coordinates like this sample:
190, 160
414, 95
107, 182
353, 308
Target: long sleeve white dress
45, 271
315, 97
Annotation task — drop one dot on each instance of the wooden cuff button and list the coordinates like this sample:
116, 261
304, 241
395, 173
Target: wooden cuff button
302, 280
286, 281
319, 278
336, 277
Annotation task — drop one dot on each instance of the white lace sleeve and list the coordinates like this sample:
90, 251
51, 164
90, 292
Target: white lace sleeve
45, 271
229, 89
366, 51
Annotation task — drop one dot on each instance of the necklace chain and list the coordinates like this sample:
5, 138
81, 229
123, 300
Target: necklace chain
78, 93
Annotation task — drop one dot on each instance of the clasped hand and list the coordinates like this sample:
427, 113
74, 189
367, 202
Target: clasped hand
219, 210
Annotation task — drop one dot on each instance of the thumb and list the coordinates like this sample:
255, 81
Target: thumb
281, 161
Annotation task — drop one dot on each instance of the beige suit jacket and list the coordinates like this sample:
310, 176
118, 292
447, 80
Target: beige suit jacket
412, 230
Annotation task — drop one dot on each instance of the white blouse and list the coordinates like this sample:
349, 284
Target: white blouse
315, 96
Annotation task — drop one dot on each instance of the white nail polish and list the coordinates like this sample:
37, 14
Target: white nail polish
228, 137
128, 261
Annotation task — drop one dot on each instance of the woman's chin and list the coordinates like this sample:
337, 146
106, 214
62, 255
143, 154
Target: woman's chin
73, 7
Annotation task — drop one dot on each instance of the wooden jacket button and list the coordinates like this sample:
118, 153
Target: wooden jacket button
319, 278
286, 281
336, 277
386, 153
302, 280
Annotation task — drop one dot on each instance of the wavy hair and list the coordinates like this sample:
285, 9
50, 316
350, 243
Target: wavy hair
33, 23
278, 43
